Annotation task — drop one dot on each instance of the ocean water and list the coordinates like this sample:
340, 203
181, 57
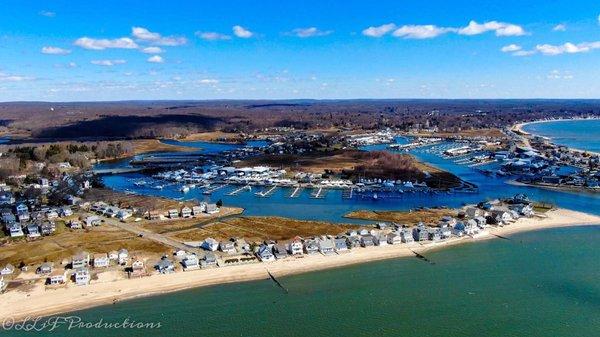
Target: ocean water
578, 134
542, 283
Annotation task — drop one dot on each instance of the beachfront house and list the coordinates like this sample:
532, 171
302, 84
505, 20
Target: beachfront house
241, 245
190, 262
80, 260
280, 251
186, 212
353, 241
15, 230
138, 268
7, 270
227, 247
165, 266
123, 256
45, 268
155, 215
47, 228
124, 214
197, 210
481, 221
367, 240
92, 220
326, 246
33, 230
406, 235
434, 234
57, 277
265, 253
459, 229
340, 245
212, 208
101, 260
210, 244
295, 247
380, 239
394, 239
173, 213
447, 221
420, 233
113, 255
81, 276
311, 246
209, 260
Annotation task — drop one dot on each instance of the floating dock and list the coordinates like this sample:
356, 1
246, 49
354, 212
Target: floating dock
240, 190
296, 192
319, 194
210, 190
267, 193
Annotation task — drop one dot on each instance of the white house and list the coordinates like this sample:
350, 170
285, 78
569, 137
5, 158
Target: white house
210, 244
340, 245
123, 256
296, 247
326, 246
265, 253
394, 239
191, 262
186, 212
82, 276
227, 247
7, 270
80, 260
57, 277
101, 261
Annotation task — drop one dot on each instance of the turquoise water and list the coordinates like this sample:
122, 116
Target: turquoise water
541, 283
578, 134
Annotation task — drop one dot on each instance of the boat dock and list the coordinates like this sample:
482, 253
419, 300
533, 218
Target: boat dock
240, 190
319, 194
348, 193
211, 189
267, 193
296, 192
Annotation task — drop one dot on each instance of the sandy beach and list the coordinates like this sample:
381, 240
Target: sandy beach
39, 301
518, 128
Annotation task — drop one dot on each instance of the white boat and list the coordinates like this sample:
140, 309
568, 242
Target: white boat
184, 189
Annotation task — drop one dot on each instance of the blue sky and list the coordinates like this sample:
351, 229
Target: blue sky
120, 50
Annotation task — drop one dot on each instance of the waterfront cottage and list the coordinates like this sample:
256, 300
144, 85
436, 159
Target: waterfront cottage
326, 246
280, 251
80, 260
45, 268
420, 233
212, 208
137, 268
101, 260
123, 256
265, 254
394, 239
367, 240
81, 276
186, 212
296, 247
340, 245
173, 213
113, 255
434, 234
155, 215
165, 266
209, 260
57, 277
7, 270
242, 246
33, 231
227, 247
380, 239
406, 235
311, 246
199, 209
15, 230
353, 241
210, 244
190, 262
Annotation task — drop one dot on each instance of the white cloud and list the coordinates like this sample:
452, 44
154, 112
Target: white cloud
567, 48
212, 36
242, 32
107, 63
144, 34
510, 48
152, 50
208, 81
55, 51
501, 28
47, 14
420, 31
561, 27
379, 31
559, 75
523, 53
72, 65
310, 32
155, 59
14, 78
101, 44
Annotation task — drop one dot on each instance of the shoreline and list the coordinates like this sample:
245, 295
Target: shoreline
519, 129
38, 301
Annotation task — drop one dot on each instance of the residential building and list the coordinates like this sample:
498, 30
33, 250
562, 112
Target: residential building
280, 251
82, 276
80, 260
326, 246
190, 262
227, 247
165, 266
295, 247
265, 253
340, 245
210, 244
101, 260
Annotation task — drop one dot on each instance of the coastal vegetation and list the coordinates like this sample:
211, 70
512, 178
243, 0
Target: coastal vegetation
411, 217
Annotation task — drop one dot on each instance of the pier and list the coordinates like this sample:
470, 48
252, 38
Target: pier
267, 193
240, 190
319, 194
210, 190
296, 192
